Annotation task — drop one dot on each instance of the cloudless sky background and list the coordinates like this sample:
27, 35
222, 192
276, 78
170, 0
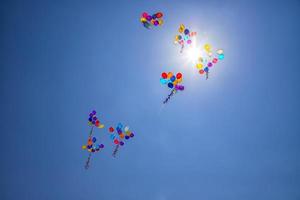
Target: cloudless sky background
234, 136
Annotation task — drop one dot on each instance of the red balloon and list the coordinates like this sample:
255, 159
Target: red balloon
164, 75
201, 71
145, 14
178, 75
159, 15
111, 129
116, 141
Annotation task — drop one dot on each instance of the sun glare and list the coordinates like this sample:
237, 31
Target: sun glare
193, 53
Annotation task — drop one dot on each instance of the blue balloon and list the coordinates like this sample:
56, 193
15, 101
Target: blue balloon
173, 78
163, 81
94, 139
170, 85
186, 31
120, 125
221, 56
206, 69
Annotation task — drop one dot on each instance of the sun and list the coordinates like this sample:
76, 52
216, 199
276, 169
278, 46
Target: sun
192, 54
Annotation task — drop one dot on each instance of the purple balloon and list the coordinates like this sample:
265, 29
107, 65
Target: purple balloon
131, 135
149, 17
209, 64
126, 137
94, 112
121, 143
101, 146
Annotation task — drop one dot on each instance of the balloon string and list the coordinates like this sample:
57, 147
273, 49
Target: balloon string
115, 151
181, 50
91, 131
87, 164
169, 96
206, 75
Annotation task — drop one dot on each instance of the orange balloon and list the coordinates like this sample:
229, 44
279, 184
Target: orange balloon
170, 74
122, 135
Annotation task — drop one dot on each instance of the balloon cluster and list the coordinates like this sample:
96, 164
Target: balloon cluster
118, 137
94, 121
206, 62
151, 20
172, 82
91, 145
122, 133
185, 37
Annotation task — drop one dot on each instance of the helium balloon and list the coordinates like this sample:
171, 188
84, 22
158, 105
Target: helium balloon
164, 75
185, 37
173, 82
221, 56
220, 51
178, 75
119, 136
91, 145
153, 20
159, 15
209, 60
207, 47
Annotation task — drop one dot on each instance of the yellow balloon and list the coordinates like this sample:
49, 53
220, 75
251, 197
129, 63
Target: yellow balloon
101, 126
160, 22
83, 147
181, 28
175, 82
207, 47
199, 66
179, 80
143, 19
176, 38
170, 74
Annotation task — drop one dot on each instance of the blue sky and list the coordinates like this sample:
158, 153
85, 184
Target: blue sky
234, 136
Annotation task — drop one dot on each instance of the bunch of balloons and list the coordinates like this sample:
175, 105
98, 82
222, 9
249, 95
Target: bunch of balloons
206, 62
185, 37
122, 132
151, 20
172, 82
91, 145
94, 121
